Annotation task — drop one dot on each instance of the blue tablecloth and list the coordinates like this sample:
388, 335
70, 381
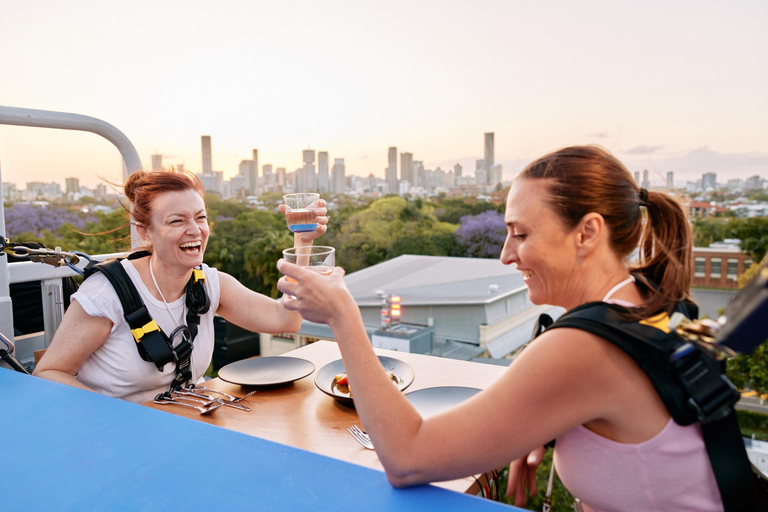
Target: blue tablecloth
66, 449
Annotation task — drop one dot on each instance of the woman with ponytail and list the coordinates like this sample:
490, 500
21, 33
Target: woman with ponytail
579, 231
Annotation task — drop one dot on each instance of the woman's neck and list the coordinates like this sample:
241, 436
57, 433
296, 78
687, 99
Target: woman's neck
171, 282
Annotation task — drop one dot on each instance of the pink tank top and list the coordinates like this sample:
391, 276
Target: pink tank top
670, 471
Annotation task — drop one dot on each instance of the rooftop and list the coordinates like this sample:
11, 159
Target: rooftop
435, 280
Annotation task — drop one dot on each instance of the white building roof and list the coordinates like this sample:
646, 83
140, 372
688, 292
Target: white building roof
436, 280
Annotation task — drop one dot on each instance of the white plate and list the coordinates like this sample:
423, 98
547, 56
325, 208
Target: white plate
266, 371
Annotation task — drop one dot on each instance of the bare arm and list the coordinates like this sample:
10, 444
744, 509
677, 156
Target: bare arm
78, 336
254, 311
563, 380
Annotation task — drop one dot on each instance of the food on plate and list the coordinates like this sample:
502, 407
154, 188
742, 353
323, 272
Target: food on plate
341, 382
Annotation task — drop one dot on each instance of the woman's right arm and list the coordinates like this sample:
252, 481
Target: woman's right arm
78, 336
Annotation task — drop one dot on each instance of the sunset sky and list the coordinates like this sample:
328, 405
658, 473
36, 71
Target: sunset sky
666, 86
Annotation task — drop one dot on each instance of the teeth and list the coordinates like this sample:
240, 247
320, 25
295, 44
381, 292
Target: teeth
526, 273
190, 245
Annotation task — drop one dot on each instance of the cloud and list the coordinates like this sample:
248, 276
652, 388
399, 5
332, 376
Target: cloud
598, 135
643, 150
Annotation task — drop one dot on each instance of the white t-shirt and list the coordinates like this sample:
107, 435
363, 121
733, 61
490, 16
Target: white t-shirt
116, 369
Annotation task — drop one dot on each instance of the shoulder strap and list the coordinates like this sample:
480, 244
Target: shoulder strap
691, 385
151, 343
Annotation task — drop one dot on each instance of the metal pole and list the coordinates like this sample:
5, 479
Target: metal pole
63, 121
67, 121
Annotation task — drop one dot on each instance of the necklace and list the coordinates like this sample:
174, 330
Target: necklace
630, 279
167, 307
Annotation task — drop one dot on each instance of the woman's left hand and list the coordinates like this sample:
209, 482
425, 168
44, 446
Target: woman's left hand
321, 214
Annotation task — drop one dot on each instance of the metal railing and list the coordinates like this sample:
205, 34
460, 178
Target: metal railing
50, 277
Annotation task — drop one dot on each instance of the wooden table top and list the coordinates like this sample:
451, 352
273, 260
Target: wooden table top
302, 416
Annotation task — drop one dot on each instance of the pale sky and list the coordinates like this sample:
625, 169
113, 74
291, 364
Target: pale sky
665, 85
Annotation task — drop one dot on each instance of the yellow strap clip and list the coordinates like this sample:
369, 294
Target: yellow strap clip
139, 332
199, 275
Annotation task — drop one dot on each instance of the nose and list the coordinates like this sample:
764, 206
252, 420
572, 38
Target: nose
192, 228
508, 252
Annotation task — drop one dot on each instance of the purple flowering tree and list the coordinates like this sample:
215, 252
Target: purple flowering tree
483, 235
27, 219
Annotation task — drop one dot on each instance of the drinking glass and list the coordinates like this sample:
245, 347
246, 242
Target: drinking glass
317, 258
300, 211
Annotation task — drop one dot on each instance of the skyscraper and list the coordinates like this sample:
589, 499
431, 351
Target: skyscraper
391, 172
406, 167
709, 181
253, 174
457, 171
489, 161
670, 179
339, 179
322, 172
646, 180
157, 162
72, 185
207, 157
307, 178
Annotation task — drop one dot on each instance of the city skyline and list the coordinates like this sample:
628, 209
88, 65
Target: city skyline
668, 88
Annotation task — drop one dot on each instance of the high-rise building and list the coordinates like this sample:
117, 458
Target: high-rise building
406, 167
391, 171
637, 178
267, 175
253, 175
157, 162
489, 161
322, 172
307, 178
670, 179
419, 174
495, 174
207, 155
709, 181
457, 171
339, 179
481, 172
72, 185
280, 176
753, 182
646, 180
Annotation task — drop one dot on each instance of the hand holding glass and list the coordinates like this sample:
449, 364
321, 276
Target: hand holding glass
300, 211
317, 258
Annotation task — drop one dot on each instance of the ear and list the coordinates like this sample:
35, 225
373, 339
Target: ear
141, 230
589, 233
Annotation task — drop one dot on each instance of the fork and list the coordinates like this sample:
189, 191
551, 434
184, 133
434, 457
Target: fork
360, 436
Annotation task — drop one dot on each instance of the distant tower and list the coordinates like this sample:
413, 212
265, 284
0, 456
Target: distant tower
307, 178
280, 172
709, 181
207, 158
72, 185
406, 167
646, 180
157, 162
457, 171
637, 178
670, 179
391, 171
339, 179
322, 172
489, 161
253, 173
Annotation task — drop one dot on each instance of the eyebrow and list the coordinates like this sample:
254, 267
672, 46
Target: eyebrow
176, 214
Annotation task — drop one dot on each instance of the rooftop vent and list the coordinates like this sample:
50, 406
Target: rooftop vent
493, 288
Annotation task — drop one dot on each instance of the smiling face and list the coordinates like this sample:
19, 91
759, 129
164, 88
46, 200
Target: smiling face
178, 232
538, 244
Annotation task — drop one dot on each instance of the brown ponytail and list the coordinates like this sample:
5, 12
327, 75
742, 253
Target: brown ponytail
584, 179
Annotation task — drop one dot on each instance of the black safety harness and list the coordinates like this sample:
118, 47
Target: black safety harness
692, 385
153, 344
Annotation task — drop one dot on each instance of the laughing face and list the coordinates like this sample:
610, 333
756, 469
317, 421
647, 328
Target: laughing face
538, 243
179, 230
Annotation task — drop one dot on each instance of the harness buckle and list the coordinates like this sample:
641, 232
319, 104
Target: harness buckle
712, 395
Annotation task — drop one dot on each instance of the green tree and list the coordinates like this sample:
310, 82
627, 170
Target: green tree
707, 231
753, 233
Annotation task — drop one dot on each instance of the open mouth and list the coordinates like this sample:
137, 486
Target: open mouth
527, 274
191, 247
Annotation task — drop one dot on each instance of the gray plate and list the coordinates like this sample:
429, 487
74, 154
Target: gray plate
432, 401
266, 371
324, 377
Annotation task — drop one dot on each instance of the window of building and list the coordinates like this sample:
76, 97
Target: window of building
701, 267
733, 268
715, 267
